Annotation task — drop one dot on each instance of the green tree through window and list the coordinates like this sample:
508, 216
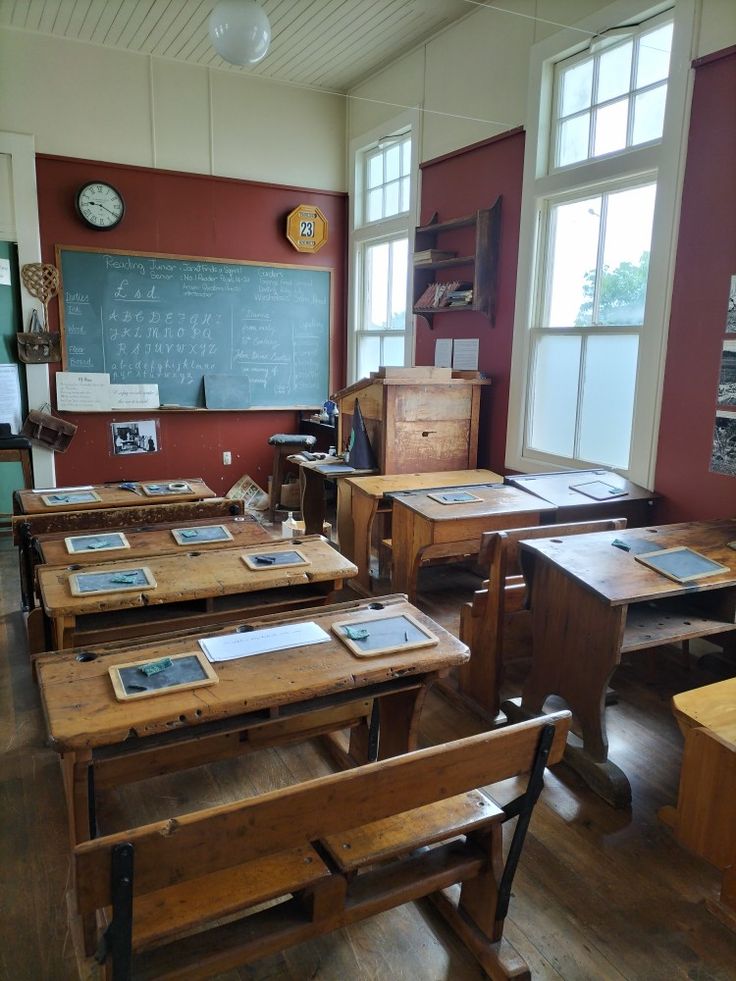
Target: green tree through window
622, 294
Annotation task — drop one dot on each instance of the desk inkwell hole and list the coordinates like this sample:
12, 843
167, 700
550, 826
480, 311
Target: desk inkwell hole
193, 555
244, 628
556, 541
376, 606
85, 656
296, 541
73, 568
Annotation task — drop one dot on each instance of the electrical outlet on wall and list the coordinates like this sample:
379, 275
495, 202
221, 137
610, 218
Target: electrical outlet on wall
227, 458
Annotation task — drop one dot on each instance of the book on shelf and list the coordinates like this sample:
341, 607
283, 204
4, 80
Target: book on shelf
427, 256
438, 295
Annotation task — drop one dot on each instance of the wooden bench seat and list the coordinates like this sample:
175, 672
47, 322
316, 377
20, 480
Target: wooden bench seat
496, 624
333, 850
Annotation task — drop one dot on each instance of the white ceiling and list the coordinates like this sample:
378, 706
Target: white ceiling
324, 44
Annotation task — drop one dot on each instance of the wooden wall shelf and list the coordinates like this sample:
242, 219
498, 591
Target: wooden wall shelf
483, 262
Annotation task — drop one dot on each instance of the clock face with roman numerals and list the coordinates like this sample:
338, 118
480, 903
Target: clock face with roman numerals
100, 205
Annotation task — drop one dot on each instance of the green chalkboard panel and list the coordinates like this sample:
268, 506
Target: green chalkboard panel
173, 319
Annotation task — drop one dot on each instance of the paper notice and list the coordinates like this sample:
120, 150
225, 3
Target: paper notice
465, 354
78, 391
134, 397
443, 352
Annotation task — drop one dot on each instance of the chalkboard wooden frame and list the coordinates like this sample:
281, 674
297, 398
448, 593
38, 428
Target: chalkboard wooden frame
286, 405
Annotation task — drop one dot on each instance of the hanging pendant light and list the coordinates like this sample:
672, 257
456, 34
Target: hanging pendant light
240, 31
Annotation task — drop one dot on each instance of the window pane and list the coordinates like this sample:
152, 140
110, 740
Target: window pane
391, 207
406, 157
572, 259
623, 283
573, 140
404, 194
607, 408
610, 127
369, 355
374, 211
614, 72
649, 115
376, 286
375, 170
654, 56
399, 259
393, 350
393, 163
554, 401
576, 86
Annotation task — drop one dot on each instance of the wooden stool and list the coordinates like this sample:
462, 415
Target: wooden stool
284, 445
17, 449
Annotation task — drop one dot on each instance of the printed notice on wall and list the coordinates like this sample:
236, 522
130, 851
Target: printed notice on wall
79, 391
465, 354
10, 406
443, 352
134, 396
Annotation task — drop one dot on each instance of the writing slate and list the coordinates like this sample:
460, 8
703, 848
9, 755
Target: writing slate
171, 320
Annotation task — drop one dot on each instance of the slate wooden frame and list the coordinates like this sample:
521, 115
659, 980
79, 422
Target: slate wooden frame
73, 497
445, 497
119, 683
178, 534
428, 638
250, 559
122, 542
689, 556
153, 488
111, 587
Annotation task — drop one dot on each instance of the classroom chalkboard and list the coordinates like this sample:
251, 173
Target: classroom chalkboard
171, 320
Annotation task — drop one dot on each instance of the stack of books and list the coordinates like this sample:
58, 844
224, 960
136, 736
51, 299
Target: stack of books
428, 256
460, 297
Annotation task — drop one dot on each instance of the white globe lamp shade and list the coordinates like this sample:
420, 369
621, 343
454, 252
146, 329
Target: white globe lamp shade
240, 31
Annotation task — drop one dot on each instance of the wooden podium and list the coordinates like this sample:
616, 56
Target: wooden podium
417, 419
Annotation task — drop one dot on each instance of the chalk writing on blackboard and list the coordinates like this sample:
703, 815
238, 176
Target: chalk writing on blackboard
146, 319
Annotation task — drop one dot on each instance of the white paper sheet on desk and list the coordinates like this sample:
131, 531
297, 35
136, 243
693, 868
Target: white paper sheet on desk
233, 646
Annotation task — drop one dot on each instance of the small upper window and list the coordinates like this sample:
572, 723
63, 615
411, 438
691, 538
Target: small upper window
386, 183
614, 99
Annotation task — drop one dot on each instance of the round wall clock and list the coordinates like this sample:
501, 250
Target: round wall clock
100, 205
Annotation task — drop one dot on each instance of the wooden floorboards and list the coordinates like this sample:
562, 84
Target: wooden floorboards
599, 894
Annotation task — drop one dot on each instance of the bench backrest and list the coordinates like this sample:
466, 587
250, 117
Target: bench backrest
169, 852
25, 525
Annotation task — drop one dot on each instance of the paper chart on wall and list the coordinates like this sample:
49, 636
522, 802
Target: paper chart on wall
10, 404
465, 354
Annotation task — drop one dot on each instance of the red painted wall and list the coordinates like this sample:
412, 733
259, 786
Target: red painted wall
188, 214
458, 185
706, 260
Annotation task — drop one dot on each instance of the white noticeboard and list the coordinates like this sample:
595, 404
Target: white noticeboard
10, 404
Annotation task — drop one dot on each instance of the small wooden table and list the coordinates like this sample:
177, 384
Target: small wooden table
367, 496
150, 540
112, 496
194, 588
705, 817
591, 602
424, 529
312, 477
636, 504
277, 696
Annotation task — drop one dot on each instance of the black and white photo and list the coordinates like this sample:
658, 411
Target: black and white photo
727, 378
723, 457
731, 314
140, 436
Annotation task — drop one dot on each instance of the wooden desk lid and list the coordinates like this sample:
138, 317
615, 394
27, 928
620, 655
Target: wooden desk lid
495, 500
388, 483
111, 495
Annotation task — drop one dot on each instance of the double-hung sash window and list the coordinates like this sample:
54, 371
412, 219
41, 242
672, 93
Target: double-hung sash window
596, 250
383, 217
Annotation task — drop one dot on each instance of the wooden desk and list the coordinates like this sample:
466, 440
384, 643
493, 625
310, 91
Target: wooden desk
147, 540
367, 496
279, 696
423, 529
705, 817
192, 589
138, 512
113, 496
637, 505
591, 603
312, 477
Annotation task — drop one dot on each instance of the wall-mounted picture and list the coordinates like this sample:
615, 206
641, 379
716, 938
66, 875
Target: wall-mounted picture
731, 314
141, 436
727, 379
723, 456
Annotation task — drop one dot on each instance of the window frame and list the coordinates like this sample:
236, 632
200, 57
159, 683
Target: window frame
363, 234
541, 184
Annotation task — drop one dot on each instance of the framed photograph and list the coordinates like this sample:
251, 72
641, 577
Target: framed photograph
280, 559
141, 436
201, 535
166, 490
61, 498
454, 497
387, 633
681, 564
102, 542
141, 679
111, 581
723, 451
727, 377
731, 312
